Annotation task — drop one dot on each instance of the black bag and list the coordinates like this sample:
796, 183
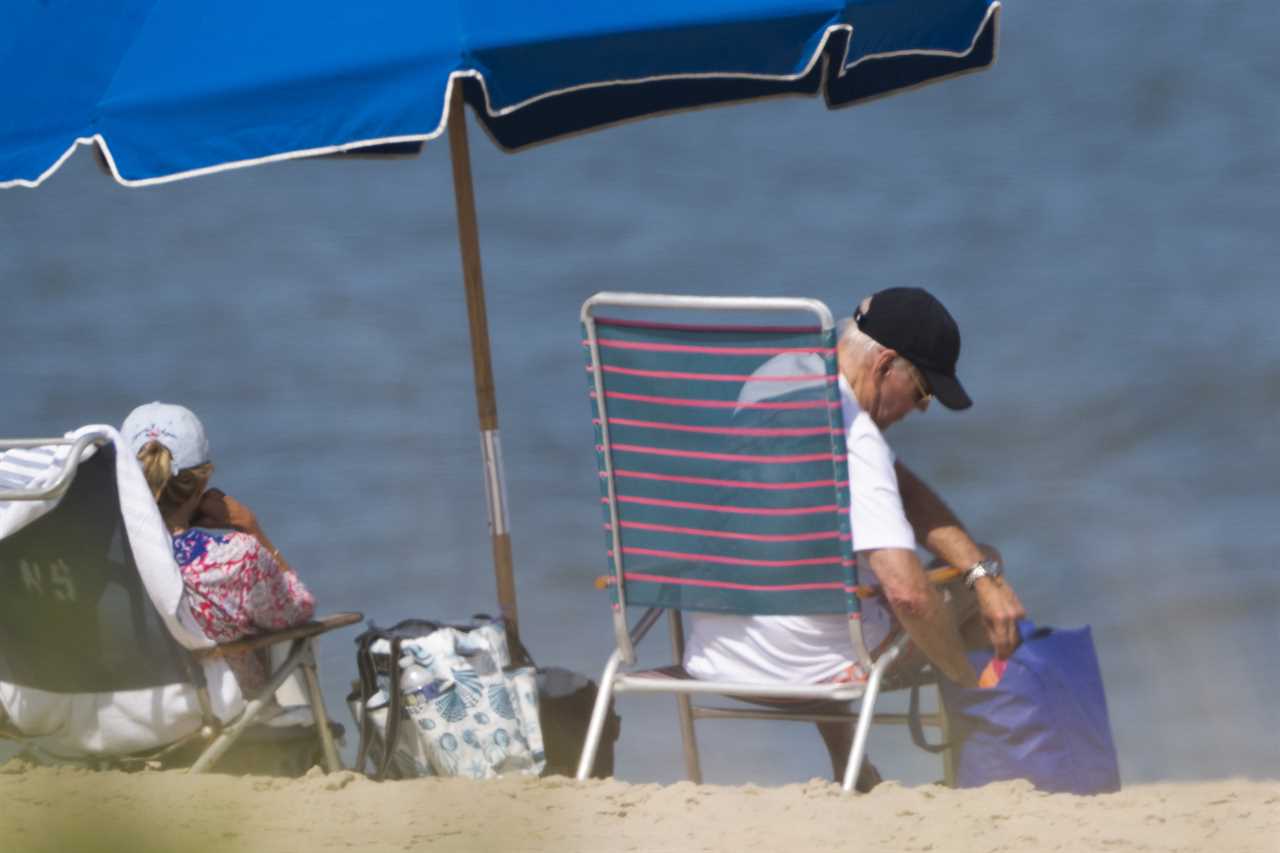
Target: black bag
565, 701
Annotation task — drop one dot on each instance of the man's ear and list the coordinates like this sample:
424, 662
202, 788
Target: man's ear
883, 363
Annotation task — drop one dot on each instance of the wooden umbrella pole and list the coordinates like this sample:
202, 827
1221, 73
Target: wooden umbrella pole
481, 362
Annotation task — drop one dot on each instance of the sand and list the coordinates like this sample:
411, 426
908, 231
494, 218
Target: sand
61, 809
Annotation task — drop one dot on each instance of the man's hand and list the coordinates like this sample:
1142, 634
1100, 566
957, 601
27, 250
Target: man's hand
1001, 611
218, 509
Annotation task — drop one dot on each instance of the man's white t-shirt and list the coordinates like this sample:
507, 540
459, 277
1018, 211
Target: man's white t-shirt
809, 649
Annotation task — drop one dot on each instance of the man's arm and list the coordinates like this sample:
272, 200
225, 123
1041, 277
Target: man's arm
935, 525
921, 611
940, 531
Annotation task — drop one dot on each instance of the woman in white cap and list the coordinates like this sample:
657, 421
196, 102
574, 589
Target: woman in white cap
238, 583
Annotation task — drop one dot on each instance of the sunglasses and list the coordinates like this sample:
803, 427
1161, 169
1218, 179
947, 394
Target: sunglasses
923, 394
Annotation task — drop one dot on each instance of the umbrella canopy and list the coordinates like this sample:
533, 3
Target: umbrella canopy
172, 89
168, 90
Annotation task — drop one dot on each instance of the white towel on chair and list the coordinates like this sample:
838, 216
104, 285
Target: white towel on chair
152, 548
122, 721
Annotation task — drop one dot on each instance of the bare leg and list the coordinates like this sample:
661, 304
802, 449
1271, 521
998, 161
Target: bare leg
838, 738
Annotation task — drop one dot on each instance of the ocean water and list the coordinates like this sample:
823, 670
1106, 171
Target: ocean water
1098, 211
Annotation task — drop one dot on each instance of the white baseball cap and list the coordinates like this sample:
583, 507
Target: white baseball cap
176, 427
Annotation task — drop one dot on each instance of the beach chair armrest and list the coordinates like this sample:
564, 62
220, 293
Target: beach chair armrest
307, 629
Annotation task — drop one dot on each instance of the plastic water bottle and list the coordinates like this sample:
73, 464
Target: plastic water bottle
417, 689
413, 675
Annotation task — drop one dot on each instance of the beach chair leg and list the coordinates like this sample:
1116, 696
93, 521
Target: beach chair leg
332, 763
858, 752
689, 740
601, 710
684, 705
948, 754
297, 654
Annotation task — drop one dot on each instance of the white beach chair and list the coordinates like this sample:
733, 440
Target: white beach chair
100, 660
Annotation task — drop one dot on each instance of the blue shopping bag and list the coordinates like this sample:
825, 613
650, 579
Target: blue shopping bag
1046, 721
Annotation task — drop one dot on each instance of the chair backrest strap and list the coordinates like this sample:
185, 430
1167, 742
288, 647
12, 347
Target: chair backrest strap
720, 450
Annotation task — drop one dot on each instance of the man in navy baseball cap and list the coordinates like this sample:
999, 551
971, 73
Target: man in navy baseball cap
898, 353
912, 322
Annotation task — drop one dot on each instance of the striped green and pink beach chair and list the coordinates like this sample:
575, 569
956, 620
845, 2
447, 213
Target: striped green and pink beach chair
724, 488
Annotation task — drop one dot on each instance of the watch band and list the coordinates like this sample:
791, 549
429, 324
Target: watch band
986, 568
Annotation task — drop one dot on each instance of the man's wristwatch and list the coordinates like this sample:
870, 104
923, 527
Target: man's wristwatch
982, 569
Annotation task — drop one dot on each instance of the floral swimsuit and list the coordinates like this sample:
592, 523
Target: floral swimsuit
236, 589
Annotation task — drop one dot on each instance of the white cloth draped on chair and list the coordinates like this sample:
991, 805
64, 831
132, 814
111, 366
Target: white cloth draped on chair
86, 724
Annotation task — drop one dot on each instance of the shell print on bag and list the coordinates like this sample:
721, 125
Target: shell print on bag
469, 685
447, 755
497, 752
500, 701
451, 707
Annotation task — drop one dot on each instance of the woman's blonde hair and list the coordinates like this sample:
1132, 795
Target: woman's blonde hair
171, 490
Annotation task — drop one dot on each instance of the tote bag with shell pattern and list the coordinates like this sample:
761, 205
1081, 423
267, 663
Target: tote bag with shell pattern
444, 700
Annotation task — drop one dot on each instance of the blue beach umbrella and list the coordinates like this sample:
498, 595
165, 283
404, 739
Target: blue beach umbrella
173, 90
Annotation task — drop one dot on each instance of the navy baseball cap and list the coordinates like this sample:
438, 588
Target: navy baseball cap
912, 322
